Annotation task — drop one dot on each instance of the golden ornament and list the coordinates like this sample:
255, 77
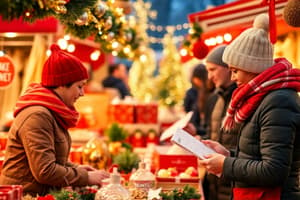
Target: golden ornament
95, 153
100, 9
110, 36
108, 23
83, 19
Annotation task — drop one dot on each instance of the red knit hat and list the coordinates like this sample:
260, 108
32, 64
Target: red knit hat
62, 68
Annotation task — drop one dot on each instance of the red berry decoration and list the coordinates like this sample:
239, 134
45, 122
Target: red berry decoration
200, 49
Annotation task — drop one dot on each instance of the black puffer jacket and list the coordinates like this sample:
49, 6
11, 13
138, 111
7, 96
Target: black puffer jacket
268, 152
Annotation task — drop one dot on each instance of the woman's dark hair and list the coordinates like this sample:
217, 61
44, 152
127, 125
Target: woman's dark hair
54, 87
200, 72
112, 68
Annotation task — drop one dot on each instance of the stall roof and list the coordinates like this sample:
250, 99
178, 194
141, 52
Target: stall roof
237, 16
47, 25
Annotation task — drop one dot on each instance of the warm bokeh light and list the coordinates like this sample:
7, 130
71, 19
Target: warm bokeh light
10, 34
95, 55
71, 48
62, 43
227, 37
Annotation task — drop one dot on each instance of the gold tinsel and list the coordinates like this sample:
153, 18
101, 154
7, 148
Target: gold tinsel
57, 5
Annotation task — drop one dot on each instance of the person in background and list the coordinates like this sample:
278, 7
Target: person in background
196, 98
219, 74
265, 111
117, 78
38, 145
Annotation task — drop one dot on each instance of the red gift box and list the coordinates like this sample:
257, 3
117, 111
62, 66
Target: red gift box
76, 154
180, 162
121, 113
164, 159
146, 113
11, 192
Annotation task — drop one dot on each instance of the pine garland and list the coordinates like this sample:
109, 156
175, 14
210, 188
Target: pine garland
75, 8
187, 192
105, 29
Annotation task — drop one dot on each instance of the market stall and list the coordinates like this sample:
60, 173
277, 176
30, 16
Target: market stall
223, 23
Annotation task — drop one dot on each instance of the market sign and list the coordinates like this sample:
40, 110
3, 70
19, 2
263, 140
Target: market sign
7, 71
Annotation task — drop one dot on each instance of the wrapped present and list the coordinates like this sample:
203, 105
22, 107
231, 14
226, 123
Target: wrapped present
11, 192
167, 156
137, 139
146, 113
121, 113
76, 154
3, 140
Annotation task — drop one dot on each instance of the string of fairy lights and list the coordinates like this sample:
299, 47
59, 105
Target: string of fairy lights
212, 41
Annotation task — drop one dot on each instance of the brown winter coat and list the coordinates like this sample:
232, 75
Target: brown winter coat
37, 154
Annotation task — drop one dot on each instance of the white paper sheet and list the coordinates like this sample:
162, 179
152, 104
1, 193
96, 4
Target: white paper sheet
190, 143
178, 124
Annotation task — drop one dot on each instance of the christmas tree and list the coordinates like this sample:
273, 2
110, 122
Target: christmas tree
171, 83
142, 69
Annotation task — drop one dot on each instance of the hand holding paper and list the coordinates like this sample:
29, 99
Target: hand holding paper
188, 142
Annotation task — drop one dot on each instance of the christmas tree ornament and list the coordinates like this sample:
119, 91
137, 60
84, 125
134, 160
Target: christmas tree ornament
57, 5
100, 9
83, 19
291, 13
108, 23
128, 36
95, 153
110, 36
125, 5
41, 4
200, 49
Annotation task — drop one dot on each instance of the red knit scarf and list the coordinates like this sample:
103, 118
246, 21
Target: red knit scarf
36, 94
246, 98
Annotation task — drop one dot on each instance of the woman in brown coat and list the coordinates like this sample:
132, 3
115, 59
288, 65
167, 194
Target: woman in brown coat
39, 143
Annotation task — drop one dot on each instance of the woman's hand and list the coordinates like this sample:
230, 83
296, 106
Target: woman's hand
96, 177
213, 163
217, 147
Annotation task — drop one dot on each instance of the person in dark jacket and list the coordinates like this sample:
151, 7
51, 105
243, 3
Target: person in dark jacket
219, 73
197, 98
265, 111
117, 78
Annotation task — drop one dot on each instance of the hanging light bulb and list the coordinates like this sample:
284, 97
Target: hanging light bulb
219, 39
183, 52
1, 53
227, 37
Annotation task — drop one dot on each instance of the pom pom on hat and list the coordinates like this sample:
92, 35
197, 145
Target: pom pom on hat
252, 50
62, 68
262, 22
291, 13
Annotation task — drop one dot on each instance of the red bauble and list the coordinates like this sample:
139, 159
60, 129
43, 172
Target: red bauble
200, 49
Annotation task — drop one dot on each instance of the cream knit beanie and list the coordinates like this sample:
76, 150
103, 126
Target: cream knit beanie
252, 50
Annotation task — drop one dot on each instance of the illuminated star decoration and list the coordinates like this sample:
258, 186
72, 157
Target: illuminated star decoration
154, 194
